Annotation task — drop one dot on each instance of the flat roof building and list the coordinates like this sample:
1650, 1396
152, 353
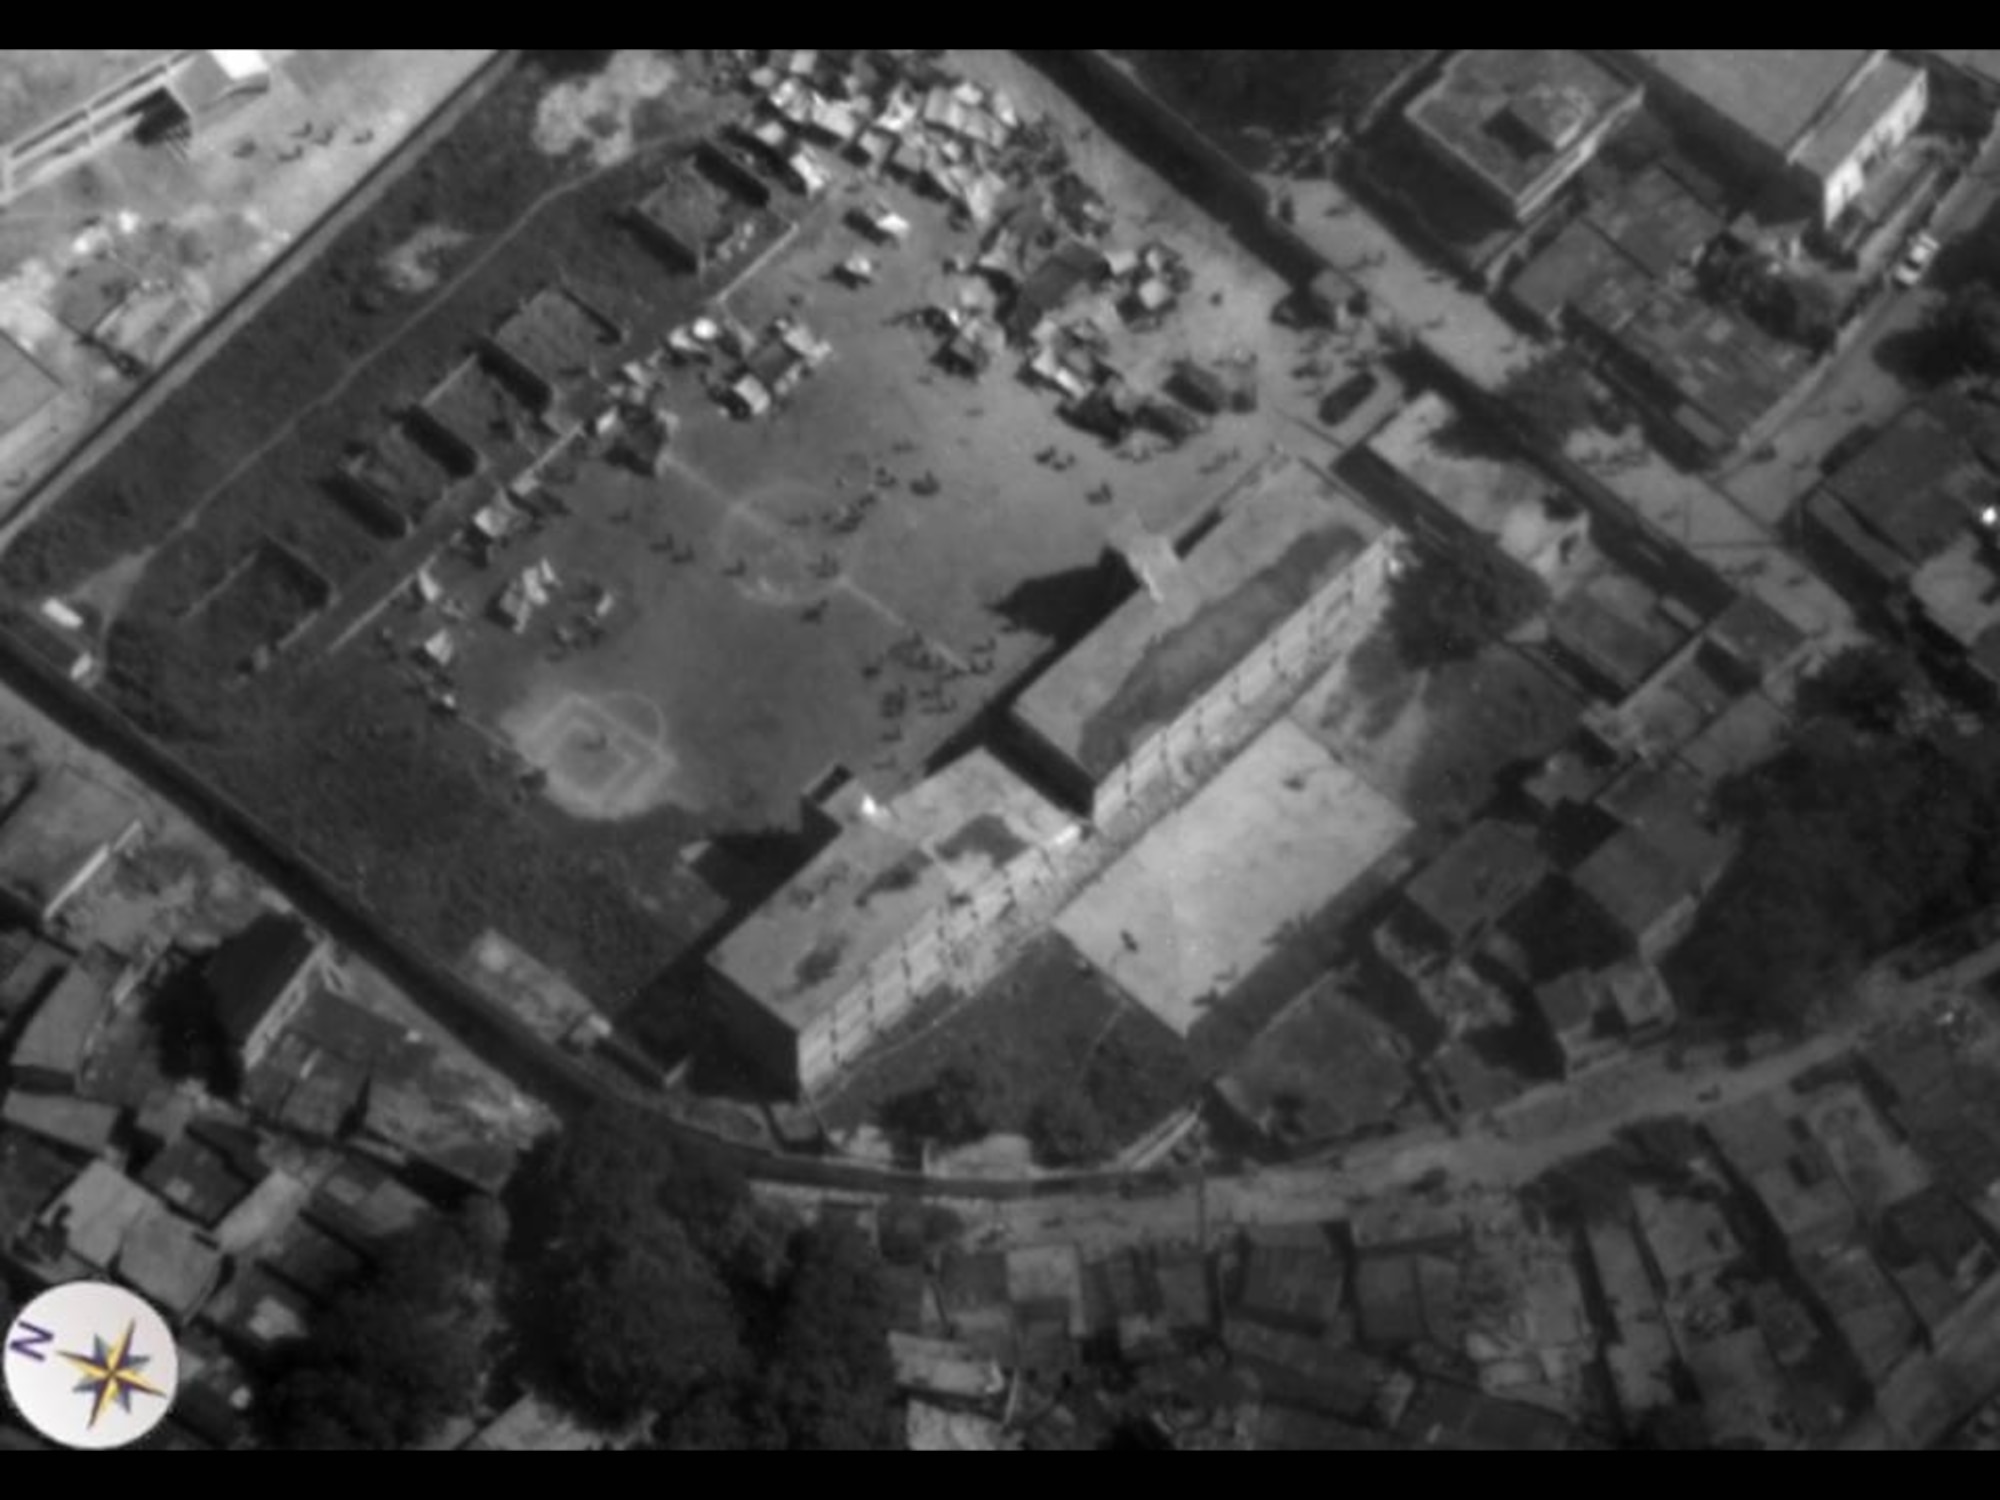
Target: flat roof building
868, 927
1517, 123
1922, 482
1215, 886
1706, 371
1816, 121
169, 1262
59, 838
1459, 895
1649, 878
53, 1047
26, 389
1217, 621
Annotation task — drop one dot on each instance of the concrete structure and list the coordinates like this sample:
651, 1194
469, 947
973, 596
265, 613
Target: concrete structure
59, 838
81, 1233
871, 925
532, 1425
1706, 373
26, 389
1649, 878
1910, 521
1216, 886
1283, 575
260, 978
1815, 122
1653, 227
59, 106
1448, 908
170, 1262
83, 1125
54, 1045
1515, 124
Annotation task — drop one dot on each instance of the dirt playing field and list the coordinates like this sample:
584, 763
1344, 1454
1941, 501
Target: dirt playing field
854, 577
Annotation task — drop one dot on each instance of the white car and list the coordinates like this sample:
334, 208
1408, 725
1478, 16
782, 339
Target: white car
1916, 260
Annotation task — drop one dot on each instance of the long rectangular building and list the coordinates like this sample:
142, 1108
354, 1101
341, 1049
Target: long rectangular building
873, 923
1817, 120
59, 105
1217, 621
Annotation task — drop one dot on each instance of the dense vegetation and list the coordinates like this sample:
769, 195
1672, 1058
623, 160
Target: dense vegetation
1873, 828
652, 1286
401, 1352
1074, 1110
424, 828
1969, 325
1552, 397
1448, 606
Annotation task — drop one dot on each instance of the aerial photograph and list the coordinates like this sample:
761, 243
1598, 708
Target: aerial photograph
1000, 750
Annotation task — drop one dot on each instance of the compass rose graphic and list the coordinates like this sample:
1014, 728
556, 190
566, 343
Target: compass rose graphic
111, 1373
90, 1365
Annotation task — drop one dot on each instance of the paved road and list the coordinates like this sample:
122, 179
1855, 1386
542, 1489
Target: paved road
1537, 1133
1858, 389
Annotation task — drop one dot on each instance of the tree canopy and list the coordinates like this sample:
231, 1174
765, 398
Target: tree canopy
401, 1351
1970, 325
624, 1303
652, 1284
1870, 687
1448, 606
1852, 843
832, 1386
1551, 396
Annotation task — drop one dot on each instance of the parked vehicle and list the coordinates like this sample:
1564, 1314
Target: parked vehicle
1345, 399
1916, 260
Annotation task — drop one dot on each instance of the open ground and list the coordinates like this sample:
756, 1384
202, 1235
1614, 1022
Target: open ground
851, 580
777, 579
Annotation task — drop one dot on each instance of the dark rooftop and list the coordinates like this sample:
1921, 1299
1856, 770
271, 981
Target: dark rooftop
1725, 372
1665, 854
1614, 625
364, 1205
248, 973
32, 1172
1323, 1070
1572, 264
1656, 221
196, 1179
1920, 482
1492, 866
